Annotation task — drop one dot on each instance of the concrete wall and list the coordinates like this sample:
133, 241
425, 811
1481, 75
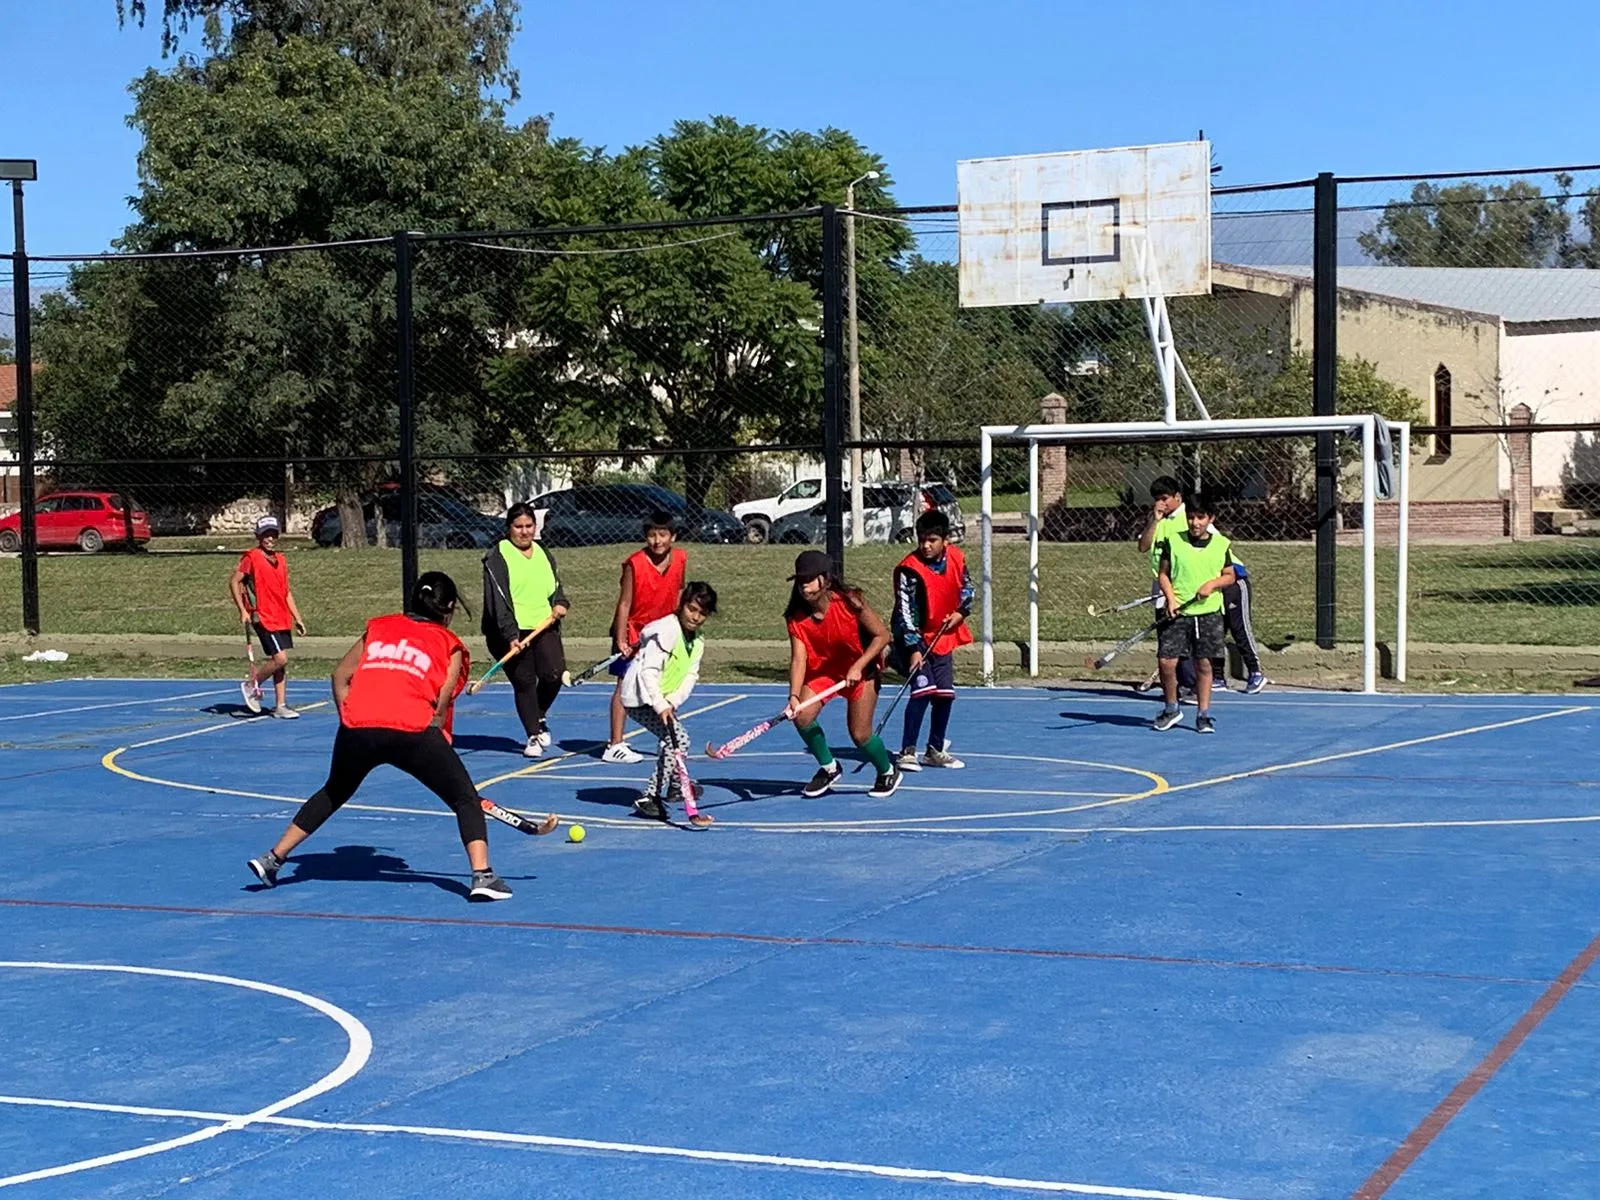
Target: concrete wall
1555, 370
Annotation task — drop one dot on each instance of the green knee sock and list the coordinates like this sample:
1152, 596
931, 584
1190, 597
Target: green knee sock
877, 753
816, 741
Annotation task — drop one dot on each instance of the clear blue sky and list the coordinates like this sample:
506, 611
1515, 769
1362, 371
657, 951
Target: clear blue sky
1284, 89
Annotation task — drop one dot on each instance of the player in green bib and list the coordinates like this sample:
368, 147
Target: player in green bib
1194, 566
661, 675
1167, 519
522, 607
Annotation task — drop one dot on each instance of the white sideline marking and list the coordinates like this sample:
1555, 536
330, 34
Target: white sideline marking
565, 1143
360, 1049
57, 712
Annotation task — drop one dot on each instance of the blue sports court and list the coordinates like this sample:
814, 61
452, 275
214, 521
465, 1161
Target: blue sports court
1344, 948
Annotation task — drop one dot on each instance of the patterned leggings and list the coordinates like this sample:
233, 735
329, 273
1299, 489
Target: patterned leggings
666, 783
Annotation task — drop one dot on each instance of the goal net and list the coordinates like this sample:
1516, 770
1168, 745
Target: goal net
1075, 497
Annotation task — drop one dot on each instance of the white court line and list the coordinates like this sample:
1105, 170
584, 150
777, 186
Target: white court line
831, 1166
356, 1055
56, 712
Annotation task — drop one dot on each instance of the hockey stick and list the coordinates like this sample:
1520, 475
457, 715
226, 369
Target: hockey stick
568, 679
894, 704
252, 688
696, 818
755, 731
517, 821
517, 648
1106, 612
1105, 660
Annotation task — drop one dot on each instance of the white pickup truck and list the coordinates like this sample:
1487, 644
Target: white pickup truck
758, 515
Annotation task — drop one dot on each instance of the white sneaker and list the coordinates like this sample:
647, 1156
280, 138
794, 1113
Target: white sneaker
621, 752
284, 713
543, 738
534, 748
252, 696
906, 760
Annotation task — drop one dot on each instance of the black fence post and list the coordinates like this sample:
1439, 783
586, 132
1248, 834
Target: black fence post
407, 373
22, 305
833, 381
1325, 395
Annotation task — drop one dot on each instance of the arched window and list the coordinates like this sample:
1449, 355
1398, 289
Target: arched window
1441, 410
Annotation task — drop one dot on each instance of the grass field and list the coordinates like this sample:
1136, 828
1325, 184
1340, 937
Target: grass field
1538, 593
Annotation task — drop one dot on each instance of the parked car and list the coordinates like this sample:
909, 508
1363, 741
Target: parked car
444, 521
889, 514
91, 521
606, 513
758, 515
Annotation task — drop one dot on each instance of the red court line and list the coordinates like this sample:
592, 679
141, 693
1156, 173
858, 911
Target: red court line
773, 939
1433, 1124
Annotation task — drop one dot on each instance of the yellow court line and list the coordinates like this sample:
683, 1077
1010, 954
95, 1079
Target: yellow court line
544, 764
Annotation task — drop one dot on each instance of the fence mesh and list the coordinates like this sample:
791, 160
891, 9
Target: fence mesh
601, 374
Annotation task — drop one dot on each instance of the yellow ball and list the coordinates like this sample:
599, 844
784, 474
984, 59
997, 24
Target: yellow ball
575, 833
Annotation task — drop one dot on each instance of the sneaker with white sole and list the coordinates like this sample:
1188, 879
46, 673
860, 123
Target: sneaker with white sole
544, 737
906, 760
822, 782
935, 756
252, 696
284, 713
1204, 724
1255, 683
887, 784
486, 885
621, 752
1167, 719
266, 868
533, 748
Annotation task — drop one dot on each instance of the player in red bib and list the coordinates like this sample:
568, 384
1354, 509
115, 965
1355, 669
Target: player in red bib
835, 636
652, 581
260, 590
932, 598
395, 691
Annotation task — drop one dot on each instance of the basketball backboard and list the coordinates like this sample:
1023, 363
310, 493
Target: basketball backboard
1085, 225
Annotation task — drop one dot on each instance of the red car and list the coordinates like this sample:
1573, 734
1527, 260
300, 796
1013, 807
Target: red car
88, 520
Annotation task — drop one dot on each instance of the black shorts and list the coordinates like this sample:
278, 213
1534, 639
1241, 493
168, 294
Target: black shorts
936, 676
1192, 637
273, 640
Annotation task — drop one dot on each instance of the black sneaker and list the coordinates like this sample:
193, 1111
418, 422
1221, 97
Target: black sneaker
822, 782
649, 806
888, 783
486, 885
266, 868
1167, 719
1204, 724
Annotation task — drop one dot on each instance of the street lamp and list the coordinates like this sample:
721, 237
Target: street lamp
857, 525
19, 171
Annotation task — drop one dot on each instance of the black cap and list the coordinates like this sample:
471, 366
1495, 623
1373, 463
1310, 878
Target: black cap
812, 563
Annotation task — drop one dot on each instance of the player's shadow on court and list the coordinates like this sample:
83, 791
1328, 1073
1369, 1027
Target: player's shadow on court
359, 864
482, 741
751, 791
1080, 719
237, 711
616, 797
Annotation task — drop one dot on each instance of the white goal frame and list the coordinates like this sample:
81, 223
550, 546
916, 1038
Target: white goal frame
1365, 425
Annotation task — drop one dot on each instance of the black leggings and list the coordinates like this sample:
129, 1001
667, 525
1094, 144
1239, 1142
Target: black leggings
535, 675
427, 757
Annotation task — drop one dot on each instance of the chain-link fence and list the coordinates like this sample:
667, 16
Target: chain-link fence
603, 373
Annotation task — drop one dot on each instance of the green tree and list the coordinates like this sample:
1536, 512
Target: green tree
688, 338
466, 41
1467, 225
275, 141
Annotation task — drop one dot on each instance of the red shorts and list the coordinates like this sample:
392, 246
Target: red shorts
822, 683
